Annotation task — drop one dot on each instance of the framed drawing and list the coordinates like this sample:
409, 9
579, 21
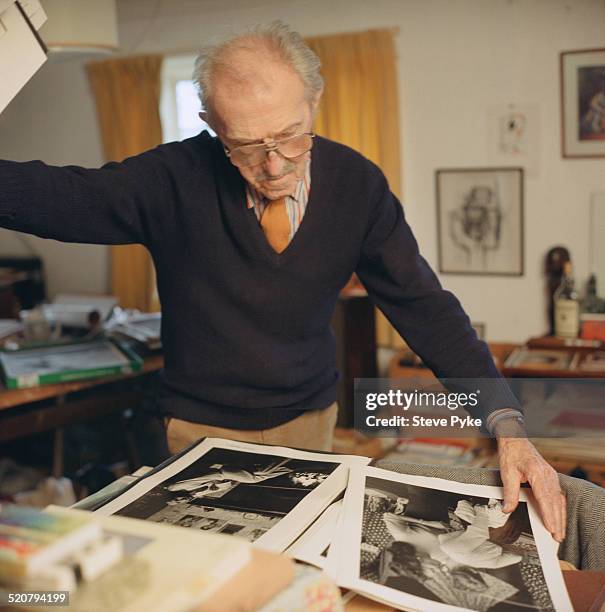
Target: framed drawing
480, 221
513, 132
583, 103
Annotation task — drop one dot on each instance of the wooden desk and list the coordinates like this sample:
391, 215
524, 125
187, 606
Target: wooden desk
25, 412
575, 352
11, 398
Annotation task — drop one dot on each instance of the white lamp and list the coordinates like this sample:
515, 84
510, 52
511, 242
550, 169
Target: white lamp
80, 26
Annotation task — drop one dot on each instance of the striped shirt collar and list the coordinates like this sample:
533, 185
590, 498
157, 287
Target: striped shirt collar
254, 199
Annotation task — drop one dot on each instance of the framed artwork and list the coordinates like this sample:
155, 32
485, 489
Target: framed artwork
583, 103
480, 221
513, 132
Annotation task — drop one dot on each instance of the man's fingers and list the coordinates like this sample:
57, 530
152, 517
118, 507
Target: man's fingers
511, 480
521, 462
563, 531
547, 503
551, 502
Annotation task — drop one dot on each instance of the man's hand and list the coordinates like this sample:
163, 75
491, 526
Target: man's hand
521, 462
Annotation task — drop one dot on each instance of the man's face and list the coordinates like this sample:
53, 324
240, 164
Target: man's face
272, 108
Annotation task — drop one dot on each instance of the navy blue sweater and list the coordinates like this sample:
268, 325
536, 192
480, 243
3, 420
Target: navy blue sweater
246, 331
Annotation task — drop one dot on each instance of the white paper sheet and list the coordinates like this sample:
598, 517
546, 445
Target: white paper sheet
386, 549
312, 546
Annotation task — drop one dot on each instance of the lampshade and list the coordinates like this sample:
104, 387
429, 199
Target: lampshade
80, 26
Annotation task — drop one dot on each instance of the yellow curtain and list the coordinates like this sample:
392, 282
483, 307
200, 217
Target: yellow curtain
360, 108
127, 96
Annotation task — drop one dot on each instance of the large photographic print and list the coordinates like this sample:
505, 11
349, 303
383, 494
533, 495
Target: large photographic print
239, 489
433, 544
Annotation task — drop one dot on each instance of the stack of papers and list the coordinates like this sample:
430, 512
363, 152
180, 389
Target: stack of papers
406, 541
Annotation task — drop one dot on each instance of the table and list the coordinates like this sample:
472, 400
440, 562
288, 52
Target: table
52, 407
586, 588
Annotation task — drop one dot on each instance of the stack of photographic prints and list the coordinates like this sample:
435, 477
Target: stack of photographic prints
430, 544
268, 495
313, 545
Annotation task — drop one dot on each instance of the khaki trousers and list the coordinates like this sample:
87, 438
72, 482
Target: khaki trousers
312, 430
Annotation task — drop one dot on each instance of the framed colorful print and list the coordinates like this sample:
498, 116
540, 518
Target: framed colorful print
480, 221
583, 103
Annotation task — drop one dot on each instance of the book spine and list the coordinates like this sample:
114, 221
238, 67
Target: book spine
35, 380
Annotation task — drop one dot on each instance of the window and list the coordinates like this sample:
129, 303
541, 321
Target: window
179, 104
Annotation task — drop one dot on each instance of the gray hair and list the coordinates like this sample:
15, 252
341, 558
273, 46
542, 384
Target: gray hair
278, 39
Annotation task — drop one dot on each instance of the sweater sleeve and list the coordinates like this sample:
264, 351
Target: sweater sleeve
429, 318
109, 205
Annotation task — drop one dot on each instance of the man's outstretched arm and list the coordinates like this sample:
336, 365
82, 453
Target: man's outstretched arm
434, 324
109, 205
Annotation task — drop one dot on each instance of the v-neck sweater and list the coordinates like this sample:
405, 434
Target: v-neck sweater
246, 331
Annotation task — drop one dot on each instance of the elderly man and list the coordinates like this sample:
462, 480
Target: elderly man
253, 234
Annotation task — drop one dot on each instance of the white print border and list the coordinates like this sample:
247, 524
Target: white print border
311, 544
344, 554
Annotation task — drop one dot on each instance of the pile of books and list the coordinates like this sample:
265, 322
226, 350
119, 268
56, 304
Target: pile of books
45, 551
90, 562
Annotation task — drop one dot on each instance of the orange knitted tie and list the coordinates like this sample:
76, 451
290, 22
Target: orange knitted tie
276, 224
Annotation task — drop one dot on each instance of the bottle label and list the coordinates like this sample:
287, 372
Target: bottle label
567, 318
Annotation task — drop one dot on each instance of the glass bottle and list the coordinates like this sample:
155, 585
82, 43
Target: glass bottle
567, 306
592, 302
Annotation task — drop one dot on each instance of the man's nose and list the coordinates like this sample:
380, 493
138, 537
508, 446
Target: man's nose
273, 164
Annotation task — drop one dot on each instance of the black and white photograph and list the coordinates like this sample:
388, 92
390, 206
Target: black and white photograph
480, 221
240, 489
583, 102
447, 545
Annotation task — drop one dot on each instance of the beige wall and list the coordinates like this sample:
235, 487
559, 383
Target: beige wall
457, 58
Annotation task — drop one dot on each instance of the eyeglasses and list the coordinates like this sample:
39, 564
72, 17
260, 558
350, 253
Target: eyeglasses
253, 154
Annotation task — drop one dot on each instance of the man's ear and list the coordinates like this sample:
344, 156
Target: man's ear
315, 102
207, 118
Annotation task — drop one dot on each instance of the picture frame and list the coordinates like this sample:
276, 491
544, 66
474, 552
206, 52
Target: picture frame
583, 103
480, 229
542, 360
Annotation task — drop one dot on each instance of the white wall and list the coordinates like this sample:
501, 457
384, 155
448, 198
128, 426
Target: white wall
53, 119
457, 58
